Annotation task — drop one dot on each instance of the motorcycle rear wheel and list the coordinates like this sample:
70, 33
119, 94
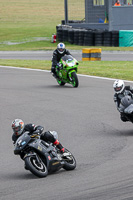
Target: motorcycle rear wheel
70, 164
38, 169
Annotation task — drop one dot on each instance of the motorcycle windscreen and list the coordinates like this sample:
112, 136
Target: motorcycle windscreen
67, 58
21, 142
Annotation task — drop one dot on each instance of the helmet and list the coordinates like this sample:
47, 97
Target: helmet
118, 86
18, 126
61, 48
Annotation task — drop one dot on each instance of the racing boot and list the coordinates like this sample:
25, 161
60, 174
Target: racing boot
55, 76
59, 146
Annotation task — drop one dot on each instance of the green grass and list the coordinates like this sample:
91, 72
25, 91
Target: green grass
47, 45
24, 20
111, 69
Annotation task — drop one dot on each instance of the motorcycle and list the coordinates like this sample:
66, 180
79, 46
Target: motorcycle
66, 71
126, 107
42, 158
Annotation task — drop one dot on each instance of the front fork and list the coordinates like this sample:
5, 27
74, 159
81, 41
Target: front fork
70, 75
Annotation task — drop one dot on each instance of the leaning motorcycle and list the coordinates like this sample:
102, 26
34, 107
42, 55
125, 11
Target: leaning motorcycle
40, 157
67, 71
126, 107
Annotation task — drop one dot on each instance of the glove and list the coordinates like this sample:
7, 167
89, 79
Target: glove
129, 93
59, 66
37, 132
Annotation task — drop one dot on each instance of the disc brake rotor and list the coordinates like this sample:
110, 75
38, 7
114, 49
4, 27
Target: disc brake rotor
38, 165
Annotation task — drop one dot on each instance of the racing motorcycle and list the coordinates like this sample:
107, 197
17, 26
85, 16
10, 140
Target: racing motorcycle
40, 157
126, 107
67, 71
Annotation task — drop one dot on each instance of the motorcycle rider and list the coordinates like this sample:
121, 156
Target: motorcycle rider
57, 55
19, 128
120, 91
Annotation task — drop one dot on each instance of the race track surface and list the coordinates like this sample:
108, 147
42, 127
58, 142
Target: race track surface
47, 55
88, 125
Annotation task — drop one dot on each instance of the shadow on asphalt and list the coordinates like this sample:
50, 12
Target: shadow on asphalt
28, 175
54, 86
18, 176
121, 133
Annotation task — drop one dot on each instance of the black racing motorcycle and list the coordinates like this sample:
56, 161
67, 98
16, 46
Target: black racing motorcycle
42, 158
126, 107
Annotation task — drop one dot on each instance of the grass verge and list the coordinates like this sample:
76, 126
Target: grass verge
47, 45
111, 69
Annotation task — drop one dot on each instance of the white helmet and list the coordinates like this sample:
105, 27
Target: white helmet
118, 86
61, 48
18, 126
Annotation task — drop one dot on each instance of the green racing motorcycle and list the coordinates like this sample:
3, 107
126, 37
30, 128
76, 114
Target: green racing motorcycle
67, 71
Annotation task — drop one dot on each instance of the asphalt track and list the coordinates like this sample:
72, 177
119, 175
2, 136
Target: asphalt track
47, 55
88, 125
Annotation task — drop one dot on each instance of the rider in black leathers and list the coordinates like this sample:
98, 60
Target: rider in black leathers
19, 128
120, 91
57, 55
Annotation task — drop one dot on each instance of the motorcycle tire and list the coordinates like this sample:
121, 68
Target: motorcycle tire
61, 83
74, 77
38, 169
70, 164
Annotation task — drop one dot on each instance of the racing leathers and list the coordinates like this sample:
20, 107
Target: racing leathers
56, 58
46, 136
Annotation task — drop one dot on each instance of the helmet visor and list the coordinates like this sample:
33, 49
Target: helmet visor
61, 49
16, 129
117, 89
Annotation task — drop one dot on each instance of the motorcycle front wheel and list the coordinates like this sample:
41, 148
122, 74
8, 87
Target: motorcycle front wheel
70, 162
37, 168
74, 78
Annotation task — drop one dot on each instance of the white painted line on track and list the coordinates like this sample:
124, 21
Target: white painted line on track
41, 70
10, 67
